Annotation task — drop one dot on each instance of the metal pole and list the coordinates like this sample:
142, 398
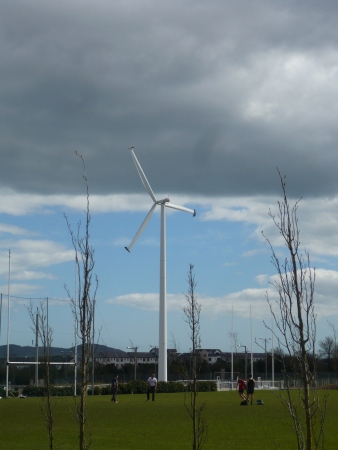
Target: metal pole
266, 356
0, 315
232, 345
48, 343
48, 336
135, 359
135, 362
136, 348
75, 331
266, 362
251, 358
246, 364
272, 359
8, 319
37, 348
75, 358
93, 348
156, 356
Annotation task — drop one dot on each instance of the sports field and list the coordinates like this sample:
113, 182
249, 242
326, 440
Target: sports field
135, 424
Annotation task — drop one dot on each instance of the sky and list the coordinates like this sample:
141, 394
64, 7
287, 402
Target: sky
214, 97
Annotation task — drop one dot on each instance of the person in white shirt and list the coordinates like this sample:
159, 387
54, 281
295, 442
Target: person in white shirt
152, 386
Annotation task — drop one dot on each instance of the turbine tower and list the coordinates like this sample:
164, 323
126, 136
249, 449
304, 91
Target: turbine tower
162, 357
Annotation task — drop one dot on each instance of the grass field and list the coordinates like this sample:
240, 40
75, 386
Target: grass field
134, 423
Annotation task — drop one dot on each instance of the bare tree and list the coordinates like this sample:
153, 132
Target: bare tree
83, 311
233, 335
173, 343
234, 339
296, 325
334, 331
327, 350
192, 317
45, 333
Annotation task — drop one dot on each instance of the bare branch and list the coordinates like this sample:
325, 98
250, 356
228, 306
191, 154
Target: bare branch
192, 313
45, 332
296, 324
83, 310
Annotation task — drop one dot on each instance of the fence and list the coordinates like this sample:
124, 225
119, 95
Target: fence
224, 385
260, 385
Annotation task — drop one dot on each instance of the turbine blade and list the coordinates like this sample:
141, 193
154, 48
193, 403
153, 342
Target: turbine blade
181, 208
142, 227
142, 176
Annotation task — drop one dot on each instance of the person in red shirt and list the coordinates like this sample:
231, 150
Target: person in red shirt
241, 387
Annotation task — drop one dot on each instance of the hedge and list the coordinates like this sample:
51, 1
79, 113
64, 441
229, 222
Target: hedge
132, 387
55, 391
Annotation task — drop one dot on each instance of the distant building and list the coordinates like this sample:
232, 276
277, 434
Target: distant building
119, 358
107, 355
211, 355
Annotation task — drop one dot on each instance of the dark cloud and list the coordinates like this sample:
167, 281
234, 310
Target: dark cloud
213, 95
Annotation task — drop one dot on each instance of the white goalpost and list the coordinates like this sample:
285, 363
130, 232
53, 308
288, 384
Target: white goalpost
37, 362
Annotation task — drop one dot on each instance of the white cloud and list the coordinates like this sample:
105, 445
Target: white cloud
326, 305
318, 220
147, 301
16, 204
279, 75
262, 279
14, 230
20, 289
211, 306
31, 275
27, 253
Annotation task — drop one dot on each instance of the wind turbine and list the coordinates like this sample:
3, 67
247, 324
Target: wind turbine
162, 357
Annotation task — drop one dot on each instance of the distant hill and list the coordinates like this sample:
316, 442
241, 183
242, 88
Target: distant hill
16, 351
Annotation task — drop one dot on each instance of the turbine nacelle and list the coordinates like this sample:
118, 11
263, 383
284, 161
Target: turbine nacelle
162, 202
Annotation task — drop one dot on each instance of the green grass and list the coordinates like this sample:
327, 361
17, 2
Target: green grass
164, 424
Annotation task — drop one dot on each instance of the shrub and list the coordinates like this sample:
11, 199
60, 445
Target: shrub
131, 387
56, 391
165, 387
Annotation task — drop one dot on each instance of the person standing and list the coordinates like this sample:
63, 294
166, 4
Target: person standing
115, 386
241, 387
250, 388
152, 386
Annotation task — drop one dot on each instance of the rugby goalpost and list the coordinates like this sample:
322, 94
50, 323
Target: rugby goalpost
37, 362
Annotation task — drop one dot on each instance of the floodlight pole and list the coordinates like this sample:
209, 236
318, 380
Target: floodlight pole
75, 333
272, 357
156, 357
0, 313
37, 348
232, 345
135, 359
93, 349
245, 361
8, 318
266, 356
75, 365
